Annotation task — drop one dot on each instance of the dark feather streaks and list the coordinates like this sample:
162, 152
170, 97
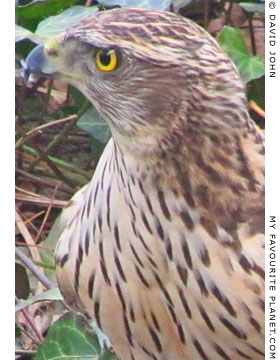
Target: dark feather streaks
117, 237
184, 302
209, 226
187, 220
141, 277
186, 252
200, 349
178, 325
241, 353
87, 239
163, 205
223, 300
136, 256
206, 318
244, 168
119, 267
108, 206
104, 272
128, 331
63, 260
77, 267
237, 332
184, 180
95, 192
146, 223
168, 247
160, 230
221, 352
257, 350
165, 292
99, 218
102, 264
183, 273
132, 314
201, 284
155, 340
91, 284
155, 321
245, 264
258, 270
204, 256
118, 288
148, 201
255, 324
97, 314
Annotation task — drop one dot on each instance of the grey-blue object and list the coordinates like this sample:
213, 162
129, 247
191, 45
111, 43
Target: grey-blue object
35, 62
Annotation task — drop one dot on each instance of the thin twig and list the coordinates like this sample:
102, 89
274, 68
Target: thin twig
40, 128
252, 34
27, 237
39, 199
25, 352
52, 183
49, 161
60, 163
46, 215
31, 324
28, 221
257, 109
22, 244
35, 271
79, 182
34, 217
63, 133
30, 193
60, 204
35, 341
53, 167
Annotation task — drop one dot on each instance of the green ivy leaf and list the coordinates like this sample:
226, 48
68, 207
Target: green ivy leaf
93, 123
37, 9
252, 68
71, 337
21, 33
54, 25
149, 4
51, 294
232, 41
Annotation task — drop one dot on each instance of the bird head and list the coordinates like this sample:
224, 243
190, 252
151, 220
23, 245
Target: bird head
146, 72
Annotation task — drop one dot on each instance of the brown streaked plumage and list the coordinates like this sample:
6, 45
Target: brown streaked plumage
166, 248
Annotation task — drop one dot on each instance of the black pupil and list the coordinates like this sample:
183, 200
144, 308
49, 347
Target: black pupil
105, 57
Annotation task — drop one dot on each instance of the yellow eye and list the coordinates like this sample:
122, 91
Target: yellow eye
106, 60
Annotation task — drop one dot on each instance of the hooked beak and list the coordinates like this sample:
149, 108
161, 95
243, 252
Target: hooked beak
38, 65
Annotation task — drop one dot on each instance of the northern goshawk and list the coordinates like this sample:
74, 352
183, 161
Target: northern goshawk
166, 249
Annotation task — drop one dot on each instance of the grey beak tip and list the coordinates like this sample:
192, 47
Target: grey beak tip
26, 71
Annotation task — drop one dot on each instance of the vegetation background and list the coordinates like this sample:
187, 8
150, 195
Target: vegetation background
59, 139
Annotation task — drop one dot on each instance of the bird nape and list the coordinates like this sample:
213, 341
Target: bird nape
166, 249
